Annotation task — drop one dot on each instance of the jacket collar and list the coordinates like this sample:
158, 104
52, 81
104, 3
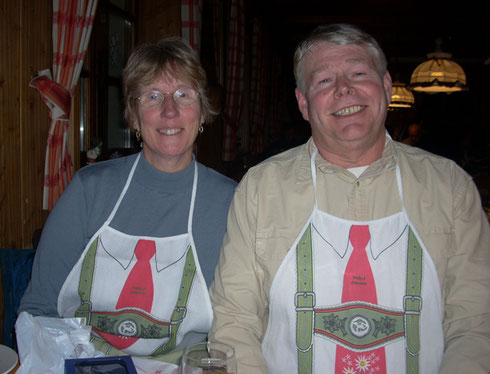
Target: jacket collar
387, 161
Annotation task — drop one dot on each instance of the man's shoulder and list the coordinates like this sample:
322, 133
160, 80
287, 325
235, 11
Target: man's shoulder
278, 173
425, 163
285, 162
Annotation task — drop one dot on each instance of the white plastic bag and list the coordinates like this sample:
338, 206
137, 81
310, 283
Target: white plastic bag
148, 366
45, 342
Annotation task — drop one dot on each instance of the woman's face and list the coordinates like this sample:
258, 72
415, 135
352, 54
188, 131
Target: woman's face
168, 129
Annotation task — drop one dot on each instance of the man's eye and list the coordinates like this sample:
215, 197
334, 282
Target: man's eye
326, 80
359, 73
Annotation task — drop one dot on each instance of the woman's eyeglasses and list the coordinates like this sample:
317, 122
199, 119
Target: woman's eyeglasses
182, 97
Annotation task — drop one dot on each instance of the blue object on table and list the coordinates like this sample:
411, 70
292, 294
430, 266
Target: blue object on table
16, 265
100, 365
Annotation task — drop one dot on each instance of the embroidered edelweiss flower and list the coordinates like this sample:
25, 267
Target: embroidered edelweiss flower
349, 371
363, 363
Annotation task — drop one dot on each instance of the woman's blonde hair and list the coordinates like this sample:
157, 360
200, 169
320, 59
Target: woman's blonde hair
170, 56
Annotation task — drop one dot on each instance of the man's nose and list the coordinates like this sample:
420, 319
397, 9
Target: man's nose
343, 88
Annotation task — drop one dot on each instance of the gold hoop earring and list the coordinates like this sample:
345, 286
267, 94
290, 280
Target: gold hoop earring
201, 129
138, 138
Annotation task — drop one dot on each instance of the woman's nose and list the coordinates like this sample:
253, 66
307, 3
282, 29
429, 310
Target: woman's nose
169, 108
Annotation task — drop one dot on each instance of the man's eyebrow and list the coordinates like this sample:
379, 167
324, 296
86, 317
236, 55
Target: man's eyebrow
320, 69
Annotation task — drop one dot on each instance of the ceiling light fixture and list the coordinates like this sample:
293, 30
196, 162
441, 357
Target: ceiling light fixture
401, 96
438, 74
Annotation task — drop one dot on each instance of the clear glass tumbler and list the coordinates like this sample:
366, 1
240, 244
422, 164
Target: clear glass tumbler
209, 358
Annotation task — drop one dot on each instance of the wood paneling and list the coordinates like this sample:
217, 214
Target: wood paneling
36, 52
10, 206
25, 42
157, 19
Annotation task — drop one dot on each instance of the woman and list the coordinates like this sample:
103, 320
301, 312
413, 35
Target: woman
133, 242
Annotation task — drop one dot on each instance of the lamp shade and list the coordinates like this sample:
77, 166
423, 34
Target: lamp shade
401, 96
438, 74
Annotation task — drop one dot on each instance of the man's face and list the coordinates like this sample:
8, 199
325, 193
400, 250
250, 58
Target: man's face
414, 133
345, 98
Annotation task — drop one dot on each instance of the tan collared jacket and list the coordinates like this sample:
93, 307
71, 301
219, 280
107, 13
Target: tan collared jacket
274, 200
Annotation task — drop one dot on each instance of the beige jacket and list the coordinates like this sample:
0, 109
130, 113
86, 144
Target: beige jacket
274, 200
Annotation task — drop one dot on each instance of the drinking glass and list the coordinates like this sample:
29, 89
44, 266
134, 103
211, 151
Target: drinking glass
209, 358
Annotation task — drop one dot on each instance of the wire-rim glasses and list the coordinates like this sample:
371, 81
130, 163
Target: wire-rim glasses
183, 97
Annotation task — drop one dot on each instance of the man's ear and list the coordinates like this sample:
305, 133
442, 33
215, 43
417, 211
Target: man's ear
388, 85
302, 103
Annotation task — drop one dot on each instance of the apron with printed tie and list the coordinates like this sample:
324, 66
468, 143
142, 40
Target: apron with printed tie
354, 297
141, 295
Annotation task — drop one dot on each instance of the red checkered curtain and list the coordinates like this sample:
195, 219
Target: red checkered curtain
72, 25
191, 17
234, 78
258, 89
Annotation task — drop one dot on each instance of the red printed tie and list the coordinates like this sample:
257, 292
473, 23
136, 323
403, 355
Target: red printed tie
359, 286
137, 291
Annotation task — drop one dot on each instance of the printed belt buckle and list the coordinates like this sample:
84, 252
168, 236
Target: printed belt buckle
304, 308
179, 309
89, 317
412, 298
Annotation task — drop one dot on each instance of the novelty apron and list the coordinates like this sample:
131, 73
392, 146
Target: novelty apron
354, 297
143, 295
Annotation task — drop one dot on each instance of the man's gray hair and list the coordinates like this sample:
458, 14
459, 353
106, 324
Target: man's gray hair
341, 34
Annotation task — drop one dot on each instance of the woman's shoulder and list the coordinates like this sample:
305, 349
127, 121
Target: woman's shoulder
107, 170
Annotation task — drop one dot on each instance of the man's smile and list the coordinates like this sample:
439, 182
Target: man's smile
349, 110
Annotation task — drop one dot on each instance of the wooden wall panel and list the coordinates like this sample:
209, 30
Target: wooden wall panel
10, 181
25, 42
36, 55
157, 18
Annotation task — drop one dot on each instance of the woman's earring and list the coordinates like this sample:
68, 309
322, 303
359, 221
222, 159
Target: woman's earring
138, 138
201, 129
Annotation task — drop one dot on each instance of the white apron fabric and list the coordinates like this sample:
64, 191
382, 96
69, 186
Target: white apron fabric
113, 262
331, 249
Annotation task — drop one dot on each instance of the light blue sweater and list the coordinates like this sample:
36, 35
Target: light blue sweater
156, 204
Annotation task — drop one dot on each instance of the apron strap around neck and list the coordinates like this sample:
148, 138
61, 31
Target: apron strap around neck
124, 190
193, 199
128, 182
400, 188
313, 177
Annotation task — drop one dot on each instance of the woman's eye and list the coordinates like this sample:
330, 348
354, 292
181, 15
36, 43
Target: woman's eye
326, 80
180, 93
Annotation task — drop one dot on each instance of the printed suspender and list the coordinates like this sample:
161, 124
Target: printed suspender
304, 301
412, 303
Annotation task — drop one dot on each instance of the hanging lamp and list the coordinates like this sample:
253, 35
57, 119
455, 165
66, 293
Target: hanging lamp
401, 96
438, 74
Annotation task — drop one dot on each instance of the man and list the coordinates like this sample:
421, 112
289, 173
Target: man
353, 253
414, 135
